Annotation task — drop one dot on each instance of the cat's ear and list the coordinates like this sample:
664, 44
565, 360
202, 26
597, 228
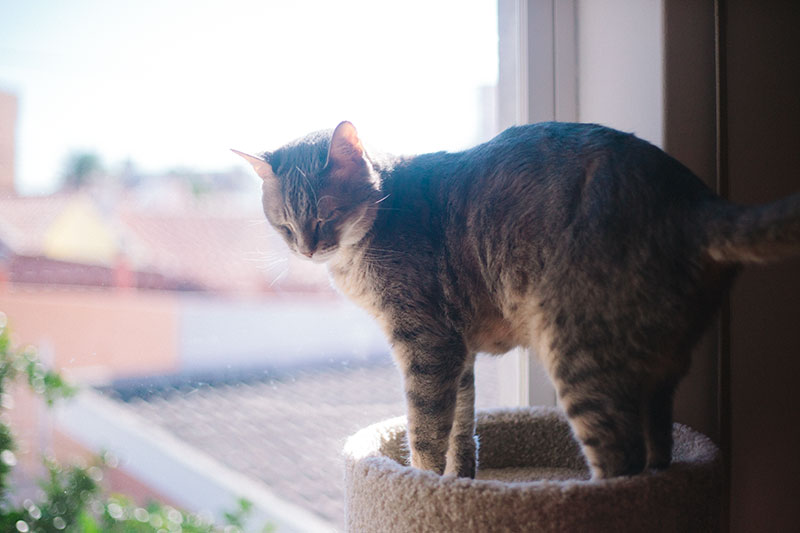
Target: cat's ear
262, 168
346, 151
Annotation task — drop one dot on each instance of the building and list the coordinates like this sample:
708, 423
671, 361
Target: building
8, 125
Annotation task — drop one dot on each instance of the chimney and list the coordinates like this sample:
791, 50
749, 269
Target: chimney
8, 123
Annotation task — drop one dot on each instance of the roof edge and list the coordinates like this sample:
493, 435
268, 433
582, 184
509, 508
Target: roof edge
175, 469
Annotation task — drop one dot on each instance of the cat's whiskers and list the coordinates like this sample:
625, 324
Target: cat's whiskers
386, 250
262, 254
275, 262
257, 222
380, 208
280, 276
267, 260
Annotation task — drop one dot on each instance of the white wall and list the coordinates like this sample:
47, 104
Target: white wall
620, 72
217, 333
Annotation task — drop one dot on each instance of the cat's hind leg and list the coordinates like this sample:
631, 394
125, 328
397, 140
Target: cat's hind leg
603, 405
462, 448
658, 425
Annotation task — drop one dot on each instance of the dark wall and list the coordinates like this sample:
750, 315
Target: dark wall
744, 389
762, 79
690, 137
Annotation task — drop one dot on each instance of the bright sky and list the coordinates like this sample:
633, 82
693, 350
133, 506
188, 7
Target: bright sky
169, 83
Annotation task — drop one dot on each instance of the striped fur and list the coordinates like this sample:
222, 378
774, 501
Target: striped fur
595, 248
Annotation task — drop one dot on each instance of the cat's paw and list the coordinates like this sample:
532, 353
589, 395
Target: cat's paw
426, 461
463, 461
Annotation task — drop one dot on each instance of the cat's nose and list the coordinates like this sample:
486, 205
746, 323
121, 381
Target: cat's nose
308, 253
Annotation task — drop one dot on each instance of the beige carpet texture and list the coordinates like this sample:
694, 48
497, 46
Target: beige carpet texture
531, 477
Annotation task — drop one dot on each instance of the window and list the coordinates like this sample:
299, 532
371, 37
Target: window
134, 255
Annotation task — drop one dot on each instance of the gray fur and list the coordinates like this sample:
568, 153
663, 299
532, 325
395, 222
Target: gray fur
593, 247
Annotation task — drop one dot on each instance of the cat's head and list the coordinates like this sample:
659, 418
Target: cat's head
319, 192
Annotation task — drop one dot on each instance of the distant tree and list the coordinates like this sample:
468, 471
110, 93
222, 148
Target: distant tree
81, 169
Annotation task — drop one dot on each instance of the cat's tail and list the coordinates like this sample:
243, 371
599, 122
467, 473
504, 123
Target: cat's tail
756, 234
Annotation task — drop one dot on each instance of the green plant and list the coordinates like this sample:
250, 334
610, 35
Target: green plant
81, 169
72, 500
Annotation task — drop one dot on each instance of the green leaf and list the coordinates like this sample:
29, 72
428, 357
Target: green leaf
87, 523
69, 492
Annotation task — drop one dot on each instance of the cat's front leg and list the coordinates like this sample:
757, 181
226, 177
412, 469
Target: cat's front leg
431, 380
462, 449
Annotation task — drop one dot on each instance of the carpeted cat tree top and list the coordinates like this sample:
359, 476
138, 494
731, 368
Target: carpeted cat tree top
531, 477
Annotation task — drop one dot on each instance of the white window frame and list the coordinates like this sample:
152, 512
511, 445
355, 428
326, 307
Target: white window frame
537, 82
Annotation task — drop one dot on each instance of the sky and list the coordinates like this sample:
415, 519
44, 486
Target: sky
176, 83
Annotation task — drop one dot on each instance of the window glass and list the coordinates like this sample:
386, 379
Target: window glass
135, 258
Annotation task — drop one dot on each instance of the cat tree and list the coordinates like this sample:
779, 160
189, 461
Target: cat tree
532, 477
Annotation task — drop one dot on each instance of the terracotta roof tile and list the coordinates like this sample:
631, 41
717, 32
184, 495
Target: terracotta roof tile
24, 221
205, 248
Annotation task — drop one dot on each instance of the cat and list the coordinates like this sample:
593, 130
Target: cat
593, 247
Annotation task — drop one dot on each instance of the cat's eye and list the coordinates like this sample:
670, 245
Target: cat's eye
328, 209
287, 231
331, 215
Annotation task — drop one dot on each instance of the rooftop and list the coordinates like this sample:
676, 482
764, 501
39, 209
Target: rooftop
286, 430
196, 245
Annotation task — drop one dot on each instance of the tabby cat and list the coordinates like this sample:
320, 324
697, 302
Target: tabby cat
589, 245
